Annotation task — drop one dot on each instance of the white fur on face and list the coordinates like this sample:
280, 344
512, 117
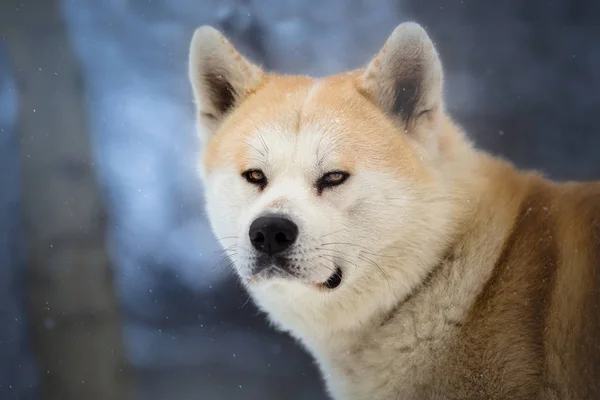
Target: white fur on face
369, 227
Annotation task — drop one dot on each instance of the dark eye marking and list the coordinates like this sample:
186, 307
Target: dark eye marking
331, 179
255, 177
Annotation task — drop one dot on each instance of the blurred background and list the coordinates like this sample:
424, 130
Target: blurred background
111, 283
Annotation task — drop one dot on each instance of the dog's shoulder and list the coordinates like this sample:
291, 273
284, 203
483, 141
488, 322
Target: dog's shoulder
535, 327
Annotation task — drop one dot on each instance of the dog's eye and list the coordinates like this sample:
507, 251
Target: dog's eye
255, 177
333, 178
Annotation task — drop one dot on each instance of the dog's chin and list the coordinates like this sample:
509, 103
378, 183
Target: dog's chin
275, 274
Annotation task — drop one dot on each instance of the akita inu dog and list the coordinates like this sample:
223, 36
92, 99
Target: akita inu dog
364, 223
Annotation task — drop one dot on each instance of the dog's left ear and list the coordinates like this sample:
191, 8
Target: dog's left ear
405, 77
220, 77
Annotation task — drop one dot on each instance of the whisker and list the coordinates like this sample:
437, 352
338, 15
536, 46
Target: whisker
332, 233
222, 251
227, 237
363, 248
229, 265
328, 267
264, 142
332, 259
257, 150
246, 302
223, 259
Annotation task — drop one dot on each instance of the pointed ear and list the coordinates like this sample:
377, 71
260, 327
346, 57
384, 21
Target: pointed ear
405, 78
220, 77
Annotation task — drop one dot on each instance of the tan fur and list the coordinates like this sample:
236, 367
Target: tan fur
495, 290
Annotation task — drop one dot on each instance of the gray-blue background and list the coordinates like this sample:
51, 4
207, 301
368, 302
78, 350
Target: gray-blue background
522, 76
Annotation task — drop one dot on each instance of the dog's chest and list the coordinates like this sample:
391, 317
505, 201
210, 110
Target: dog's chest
403, 358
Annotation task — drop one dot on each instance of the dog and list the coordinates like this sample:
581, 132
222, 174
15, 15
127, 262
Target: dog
363, 221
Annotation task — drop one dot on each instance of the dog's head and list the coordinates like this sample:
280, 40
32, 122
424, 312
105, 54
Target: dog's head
324, 192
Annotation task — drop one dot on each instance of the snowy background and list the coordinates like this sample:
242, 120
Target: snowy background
522, 77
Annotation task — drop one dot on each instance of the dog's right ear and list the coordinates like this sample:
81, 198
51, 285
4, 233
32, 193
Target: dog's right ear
220, 77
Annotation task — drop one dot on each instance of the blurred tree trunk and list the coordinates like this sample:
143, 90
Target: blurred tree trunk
73, 310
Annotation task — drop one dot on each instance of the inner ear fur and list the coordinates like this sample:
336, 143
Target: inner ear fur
219, 75
405, 78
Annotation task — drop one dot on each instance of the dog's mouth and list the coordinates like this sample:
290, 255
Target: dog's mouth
334, 280
274, 271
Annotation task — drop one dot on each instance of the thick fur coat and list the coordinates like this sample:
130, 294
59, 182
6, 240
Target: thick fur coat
409, 263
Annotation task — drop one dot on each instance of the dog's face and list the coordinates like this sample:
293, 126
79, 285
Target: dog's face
299, 190
317, 189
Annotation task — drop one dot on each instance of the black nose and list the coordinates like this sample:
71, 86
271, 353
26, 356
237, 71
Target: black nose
272, 234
